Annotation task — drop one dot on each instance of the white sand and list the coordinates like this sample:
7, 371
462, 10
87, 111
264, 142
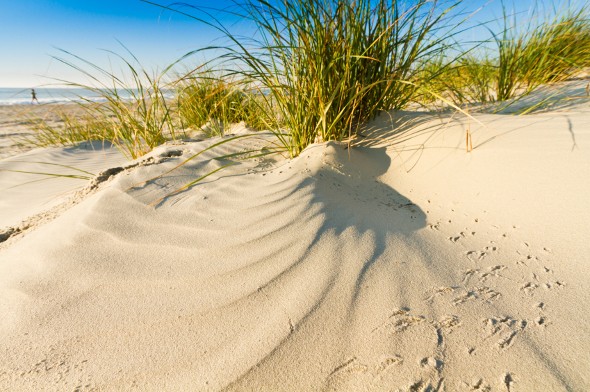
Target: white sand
414, 266
28, 187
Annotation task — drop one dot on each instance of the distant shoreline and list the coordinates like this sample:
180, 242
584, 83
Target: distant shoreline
10, 96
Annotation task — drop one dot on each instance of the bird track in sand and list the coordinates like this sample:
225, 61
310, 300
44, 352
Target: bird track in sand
496, 271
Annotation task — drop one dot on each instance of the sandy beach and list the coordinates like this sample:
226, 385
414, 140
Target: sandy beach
16, 123
404, 263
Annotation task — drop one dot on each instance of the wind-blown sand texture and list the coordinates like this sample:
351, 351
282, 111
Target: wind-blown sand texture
33, 182
403, 264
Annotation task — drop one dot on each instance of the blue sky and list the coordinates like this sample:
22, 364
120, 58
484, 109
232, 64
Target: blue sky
31, 30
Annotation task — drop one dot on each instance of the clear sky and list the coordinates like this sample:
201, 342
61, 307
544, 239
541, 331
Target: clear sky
31, 30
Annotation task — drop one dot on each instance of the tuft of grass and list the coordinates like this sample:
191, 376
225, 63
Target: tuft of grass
518, 62
556, 50
511, 62
474, 79
217, 102
548, 52
467, 79
541, 53
332, 66
70, 129
323, 68
137, 113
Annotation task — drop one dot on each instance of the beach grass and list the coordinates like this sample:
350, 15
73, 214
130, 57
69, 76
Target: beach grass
318, 70
518, 59
136, 113
69, 129
323, 68
558, 48
214, 103
332, 66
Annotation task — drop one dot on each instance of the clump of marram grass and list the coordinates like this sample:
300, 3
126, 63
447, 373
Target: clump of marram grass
69, 129
325, 67
145, 113
521, 59
217, 102
548, 52
137, 113
466, 79
561, 47
331, 66
473, 80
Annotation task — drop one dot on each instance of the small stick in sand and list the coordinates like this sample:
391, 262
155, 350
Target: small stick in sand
588, 89
468, 143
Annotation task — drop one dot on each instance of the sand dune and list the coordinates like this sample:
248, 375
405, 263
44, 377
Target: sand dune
29, 187
401, 264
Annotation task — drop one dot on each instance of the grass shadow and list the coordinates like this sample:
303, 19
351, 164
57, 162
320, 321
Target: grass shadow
351, 196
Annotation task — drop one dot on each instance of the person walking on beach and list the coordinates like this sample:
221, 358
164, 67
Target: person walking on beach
34, 96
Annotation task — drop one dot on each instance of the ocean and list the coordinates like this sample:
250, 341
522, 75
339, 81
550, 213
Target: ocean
22, 96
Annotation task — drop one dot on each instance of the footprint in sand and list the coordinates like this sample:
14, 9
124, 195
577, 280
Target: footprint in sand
479, 255
437, 292
491, 272
431, 362
435, 226
529, 287
475, 255
554, 285
491, 248
483, 276
421, 385
351, 365
508, 380
401, 320
485, 294
542, 321
468, 274
448, 323
477, 384
387, 362
526, 260
353, 374
547, 270
464, 234
506, 328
